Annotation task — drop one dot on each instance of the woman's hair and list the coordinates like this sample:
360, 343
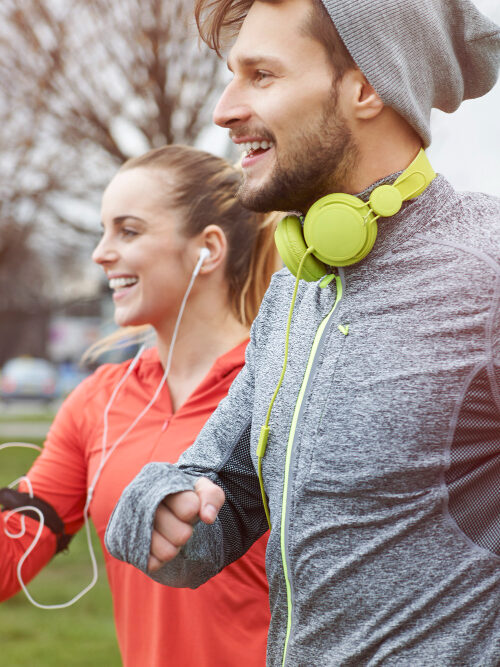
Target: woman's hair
205, 193
219, 21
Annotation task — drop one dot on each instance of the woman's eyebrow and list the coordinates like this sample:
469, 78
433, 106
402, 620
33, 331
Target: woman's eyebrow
120, 219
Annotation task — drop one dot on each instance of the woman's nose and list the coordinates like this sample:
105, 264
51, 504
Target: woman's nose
104, 252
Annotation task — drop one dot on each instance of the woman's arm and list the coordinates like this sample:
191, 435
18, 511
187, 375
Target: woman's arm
12, 550
58, 481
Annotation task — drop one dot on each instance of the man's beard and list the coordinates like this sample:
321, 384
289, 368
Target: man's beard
319, 163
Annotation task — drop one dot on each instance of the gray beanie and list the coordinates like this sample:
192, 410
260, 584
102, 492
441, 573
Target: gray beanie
420, 54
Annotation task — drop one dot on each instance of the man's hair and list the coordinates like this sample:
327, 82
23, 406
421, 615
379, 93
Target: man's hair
219, 21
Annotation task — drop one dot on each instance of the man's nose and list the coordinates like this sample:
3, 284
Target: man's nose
233, 107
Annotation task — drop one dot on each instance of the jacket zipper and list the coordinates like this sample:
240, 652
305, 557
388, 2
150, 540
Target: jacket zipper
290, 448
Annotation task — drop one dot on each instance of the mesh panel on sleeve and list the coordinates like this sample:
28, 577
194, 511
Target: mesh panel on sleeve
242, 511
474, 476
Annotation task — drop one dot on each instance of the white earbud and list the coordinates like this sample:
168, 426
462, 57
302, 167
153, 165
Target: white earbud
204, 254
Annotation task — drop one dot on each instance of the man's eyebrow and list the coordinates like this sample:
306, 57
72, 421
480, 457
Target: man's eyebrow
252, 61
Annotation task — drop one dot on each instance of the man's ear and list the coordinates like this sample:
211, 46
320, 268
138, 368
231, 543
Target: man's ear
369, 103
365, 101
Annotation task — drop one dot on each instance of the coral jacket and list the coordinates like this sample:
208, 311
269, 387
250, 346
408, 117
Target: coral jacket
223, 623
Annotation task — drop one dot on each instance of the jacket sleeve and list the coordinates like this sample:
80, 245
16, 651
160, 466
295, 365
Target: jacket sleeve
58, 478
222, 453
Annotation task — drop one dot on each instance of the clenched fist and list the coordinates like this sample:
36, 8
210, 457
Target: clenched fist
176, 516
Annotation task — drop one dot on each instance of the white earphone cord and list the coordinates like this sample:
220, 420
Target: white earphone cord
204, 253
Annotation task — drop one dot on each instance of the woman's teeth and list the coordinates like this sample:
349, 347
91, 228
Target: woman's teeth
249, 146
117, 283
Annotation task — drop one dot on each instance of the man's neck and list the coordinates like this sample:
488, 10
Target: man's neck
387, 146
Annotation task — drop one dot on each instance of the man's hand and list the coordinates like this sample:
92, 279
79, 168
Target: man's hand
177, 514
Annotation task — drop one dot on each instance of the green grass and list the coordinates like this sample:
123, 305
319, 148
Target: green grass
47, 416
79, 636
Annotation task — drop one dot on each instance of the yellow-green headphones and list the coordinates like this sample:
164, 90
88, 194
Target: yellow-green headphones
341, 229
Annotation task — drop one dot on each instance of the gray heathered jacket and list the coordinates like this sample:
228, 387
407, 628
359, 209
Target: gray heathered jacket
383, 462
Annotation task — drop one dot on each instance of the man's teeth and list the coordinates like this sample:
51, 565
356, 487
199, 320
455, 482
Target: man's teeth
248, 146
116, 283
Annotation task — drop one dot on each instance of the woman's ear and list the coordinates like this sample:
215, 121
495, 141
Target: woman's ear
214, 240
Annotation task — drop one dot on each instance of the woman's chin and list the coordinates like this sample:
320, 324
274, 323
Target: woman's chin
127, 320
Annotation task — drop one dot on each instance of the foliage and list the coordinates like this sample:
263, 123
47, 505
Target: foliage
83, 86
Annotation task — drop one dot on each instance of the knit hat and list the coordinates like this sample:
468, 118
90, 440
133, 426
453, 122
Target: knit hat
420, 54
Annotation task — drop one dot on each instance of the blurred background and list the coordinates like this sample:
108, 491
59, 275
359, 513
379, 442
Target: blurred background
84, 85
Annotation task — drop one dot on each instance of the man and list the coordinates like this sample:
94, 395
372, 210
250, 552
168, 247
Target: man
383, 457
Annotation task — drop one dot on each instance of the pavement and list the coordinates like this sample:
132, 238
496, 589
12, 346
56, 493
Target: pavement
21, 430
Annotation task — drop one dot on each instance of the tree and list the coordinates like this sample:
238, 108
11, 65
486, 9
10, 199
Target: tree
84, 85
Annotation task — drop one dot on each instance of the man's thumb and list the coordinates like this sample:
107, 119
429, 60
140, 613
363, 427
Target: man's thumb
211, 499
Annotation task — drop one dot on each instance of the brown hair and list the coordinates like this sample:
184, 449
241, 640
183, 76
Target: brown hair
220, 20
205, 192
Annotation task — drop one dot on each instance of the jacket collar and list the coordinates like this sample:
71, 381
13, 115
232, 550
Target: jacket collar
416, 215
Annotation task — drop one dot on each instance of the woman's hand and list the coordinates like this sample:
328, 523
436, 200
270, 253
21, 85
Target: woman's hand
177, 514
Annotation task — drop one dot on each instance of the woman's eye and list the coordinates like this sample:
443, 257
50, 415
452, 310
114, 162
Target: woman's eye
127, 231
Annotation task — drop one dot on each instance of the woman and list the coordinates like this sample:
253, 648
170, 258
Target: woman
166, 216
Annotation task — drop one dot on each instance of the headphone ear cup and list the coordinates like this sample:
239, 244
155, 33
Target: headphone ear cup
292, 247
340, 228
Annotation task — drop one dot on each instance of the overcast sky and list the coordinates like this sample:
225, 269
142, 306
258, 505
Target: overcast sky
465, 145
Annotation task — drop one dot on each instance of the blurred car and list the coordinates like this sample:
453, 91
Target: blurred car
28, 378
